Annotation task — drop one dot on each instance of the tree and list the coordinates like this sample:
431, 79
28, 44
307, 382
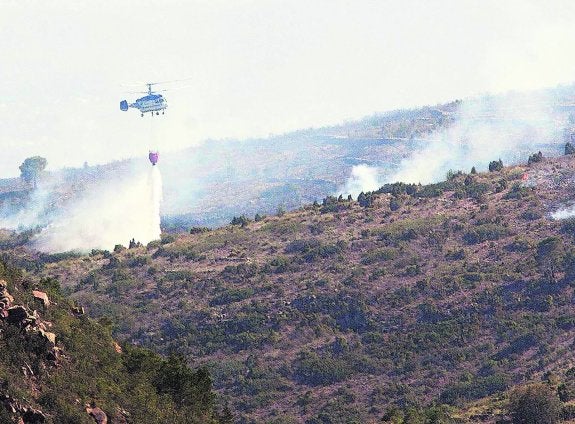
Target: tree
31, 169
365, 199
473, 170
534, 158
569, 148
535, 404
496, 165
242, 220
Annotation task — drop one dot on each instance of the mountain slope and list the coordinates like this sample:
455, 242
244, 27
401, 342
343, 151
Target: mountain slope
416, 294
58, 366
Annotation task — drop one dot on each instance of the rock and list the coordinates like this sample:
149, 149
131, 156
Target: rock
28, 414
78, 310
51, 337
99, 416
41, 296
54, 355
120, 417
17, 315
5, 298
33, 416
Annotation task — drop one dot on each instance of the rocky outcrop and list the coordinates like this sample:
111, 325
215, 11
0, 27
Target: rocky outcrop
27, 414
5, 298
29, 322
78, 310
99, 416
18, 315
41, 296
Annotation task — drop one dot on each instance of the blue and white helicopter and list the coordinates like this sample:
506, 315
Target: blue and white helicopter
152, 102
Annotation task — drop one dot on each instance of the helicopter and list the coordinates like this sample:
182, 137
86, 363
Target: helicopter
152, 102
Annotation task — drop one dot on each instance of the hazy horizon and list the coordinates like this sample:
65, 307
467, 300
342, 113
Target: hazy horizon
255, 67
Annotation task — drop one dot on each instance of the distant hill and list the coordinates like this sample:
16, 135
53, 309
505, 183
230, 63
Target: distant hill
207, 185
445, 294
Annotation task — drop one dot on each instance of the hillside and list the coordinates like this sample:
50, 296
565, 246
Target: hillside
58, 366
416, 295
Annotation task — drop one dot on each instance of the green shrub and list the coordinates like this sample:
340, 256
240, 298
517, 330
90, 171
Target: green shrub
379, 255
517, 191
534, 404
232, 295
315, 370
485, 232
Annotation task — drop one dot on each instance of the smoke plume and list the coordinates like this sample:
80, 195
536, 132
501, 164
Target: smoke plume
564, 213
363, 178
507, 127
33, 215
490, 128
111, 213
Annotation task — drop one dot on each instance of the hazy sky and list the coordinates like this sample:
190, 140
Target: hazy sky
256, 67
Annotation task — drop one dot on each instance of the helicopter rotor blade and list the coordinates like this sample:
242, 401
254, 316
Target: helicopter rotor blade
167, 82
172, 89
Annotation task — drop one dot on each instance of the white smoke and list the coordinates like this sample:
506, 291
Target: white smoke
504, 127
363, 178
34, 214
564, 213
111, 213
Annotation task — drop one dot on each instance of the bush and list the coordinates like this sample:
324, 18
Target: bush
485, 232
534, 404
312, 249
199, 230
394, 204
569, 148
232, 295
314, 370
568, 226
531, 215
379, 255
476, 388
517, 192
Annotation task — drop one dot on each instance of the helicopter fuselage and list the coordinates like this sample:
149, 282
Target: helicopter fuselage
150, 103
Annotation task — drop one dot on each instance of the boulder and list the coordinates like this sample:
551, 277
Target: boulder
54, 355
51, 337
120, 417
78, 310
33, 416
28, 414
5, 298
99, 416
43, 297
17, 315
